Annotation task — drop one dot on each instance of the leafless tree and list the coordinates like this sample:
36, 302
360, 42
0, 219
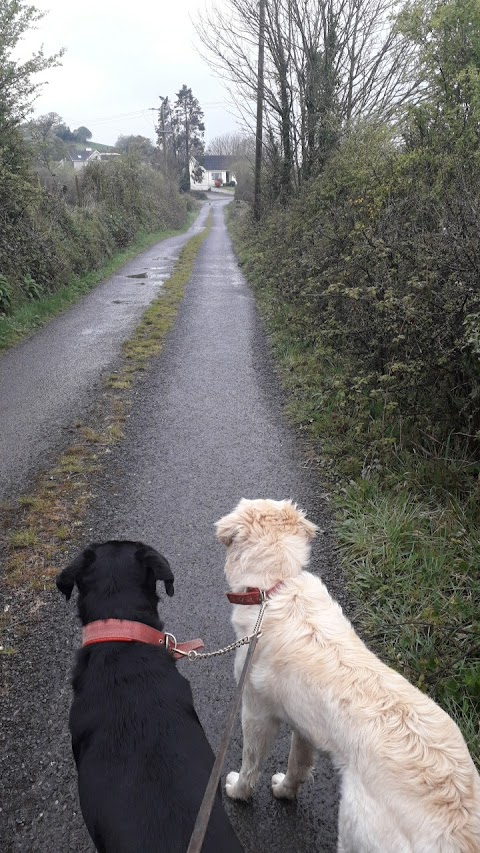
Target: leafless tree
328, 63
231, 144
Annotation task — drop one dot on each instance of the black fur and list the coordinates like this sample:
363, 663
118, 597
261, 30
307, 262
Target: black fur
142, 757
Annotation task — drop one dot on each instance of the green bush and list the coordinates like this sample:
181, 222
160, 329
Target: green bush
6, 291
381, 256
75, 223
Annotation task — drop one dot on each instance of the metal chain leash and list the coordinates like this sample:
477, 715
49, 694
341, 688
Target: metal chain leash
193, 655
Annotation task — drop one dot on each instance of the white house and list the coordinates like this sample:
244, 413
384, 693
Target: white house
79, 159
215, 167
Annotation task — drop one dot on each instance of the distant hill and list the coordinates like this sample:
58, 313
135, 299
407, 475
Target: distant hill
98, 146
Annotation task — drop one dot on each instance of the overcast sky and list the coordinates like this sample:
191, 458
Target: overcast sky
119, 58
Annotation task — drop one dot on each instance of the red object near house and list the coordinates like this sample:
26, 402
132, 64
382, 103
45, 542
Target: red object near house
218, 183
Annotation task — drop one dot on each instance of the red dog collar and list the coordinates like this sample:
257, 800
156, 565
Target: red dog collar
252, 595
123, 631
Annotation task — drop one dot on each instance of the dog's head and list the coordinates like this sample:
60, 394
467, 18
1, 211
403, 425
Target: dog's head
116, 580
266, 541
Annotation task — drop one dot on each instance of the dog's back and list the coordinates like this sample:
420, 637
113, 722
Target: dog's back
404, 761
142, 756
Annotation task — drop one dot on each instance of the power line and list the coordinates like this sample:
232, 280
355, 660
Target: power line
107, 118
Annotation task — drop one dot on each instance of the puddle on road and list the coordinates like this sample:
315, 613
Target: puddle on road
138, 275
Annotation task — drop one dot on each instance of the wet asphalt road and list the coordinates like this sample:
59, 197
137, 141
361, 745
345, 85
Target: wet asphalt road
206, 428
50, 378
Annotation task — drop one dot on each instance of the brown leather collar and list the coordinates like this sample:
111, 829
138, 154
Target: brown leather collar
253, 595
123, 631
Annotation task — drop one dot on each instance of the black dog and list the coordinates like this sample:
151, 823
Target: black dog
142, 757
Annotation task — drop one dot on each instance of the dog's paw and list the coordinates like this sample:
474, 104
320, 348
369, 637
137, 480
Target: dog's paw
233, 789
279, 789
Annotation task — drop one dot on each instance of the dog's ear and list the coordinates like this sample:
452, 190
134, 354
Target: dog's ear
227, 528
160, 568
69, 576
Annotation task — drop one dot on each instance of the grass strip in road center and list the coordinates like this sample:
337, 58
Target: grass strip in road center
38, 531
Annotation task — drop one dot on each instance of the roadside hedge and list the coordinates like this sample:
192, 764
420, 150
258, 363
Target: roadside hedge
381, 257
73, 223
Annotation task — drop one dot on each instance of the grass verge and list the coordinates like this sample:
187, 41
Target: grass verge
35, 313
38, 530
408, 530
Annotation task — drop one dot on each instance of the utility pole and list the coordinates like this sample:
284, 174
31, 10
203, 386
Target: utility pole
187, 147
162, 131
164, 140
257, 200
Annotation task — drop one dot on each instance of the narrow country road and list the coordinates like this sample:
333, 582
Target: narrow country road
206, 428
50, 379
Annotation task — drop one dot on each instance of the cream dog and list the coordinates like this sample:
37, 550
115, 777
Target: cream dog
408, 783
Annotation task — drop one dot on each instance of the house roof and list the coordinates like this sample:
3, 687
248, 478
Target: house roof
80, 156
211, 162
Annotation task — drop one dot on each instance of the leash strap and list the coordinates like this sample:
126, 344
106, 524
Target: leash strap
206, 807
125, 631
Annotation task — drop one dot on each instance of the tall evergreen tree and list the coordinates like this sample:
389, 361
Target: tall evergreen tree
188, 132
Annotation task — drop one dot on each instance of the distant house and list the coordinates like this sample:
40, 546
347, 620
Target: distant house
215, 167
79, 159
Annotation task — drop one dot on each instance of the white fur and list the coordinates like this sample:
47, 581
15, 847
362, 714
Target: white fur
408, 783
